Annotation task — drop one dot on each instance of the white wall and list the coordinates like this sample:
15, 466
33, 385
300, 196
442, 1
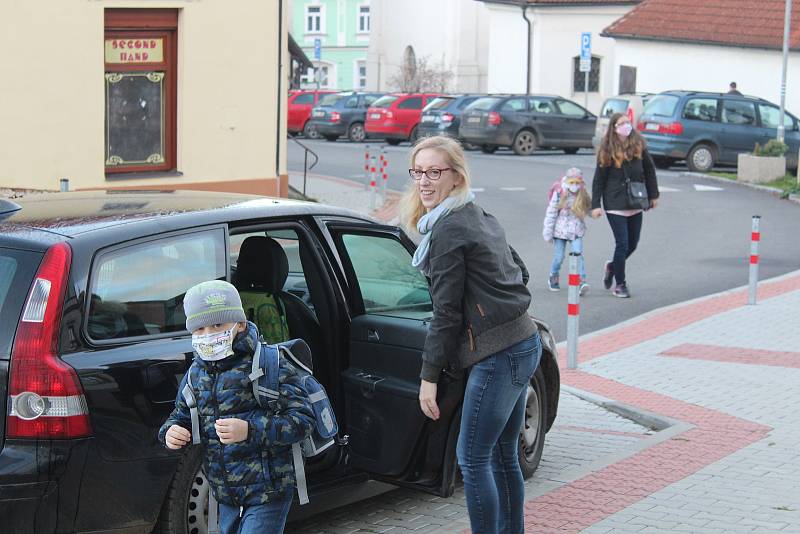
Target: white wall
664, 66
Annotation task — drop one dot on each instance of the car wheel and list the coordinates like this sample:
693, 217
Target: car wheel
488, 149
414, 136
310, 131
662, 163
185, 507
356, 132
701, 158
570, 150
331, 138
393, 142
532, 434
524, 143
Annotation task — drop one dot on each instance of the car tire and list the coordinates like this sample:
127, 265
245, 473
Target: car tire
185, 508
331, 138
488, 149
414, 136
310, 131
571, 150
534, 426
356, 132
524, 143
393, 142
662, 163
701, 158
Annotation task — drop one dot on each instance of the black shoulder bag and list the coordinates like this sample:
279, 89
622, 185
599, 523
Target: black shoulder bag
637, 192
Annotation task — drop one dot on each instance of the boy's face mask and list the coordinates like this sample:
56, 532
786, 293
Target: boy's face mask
216, 346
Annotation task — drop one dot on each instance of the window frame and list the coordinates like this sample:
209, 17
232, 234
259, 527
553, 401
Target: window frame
357, 64
786, 117
320, 18
578, 77
104, 252
722, 112
361, 17
147, 23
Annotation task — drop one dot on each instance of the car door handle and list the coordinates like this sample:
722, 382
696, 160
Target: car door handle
372, 336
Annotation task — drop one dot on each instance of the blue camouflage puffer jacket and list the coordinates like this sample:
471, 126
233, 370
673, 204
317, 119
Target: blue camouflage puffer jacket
249, 472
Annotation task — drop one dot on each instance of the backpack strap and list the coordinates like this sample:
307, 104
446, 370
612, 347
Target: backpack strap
191, 403
264, 372
256, 372
300, 473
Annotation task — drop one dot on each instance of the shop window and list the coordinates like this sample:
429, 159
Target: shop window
140, 90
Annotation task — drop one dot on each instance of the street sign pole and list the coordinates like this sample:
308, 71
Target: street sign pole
787, 25
586, 64
317, 57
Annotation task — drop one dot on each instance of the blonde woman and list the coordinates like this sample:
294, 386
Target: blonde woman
480, 322
564, 223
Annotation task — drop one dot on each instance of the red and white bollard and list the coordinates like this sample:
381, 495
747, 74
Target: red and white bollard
366, 167
573, 310
384, 175
373, 184
755, 238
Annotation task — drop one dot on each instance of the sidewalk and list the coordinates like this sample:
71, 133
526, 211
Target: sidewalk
718, 380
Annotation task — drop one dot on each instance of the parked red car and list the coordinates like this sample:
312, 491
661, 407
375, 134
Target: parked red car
300, 104
395, 117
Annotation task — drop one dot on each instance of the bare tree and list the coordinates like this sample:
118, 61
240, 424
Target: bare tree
420, 75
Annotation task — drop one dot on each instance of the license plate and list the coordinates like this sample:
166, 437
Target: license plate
474, 119
651, 126
428, 118
318, 114
375, 116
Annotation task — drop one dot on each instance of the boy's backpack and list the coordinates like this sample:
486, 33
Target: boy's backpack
266, 368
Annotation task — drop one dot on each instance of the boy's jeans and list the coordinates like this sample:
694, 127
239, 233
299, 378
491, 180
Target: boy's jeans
559, 247
494, 408
267, 518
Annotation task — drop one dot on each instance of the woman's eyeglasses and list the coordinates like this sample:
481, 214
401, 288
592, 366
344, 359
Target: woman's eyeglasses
432, 174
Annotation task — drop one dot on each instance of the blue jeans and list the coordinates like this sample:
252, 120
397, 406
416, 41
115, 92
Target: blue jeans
267, 518
559, 247
626, 232
494, 409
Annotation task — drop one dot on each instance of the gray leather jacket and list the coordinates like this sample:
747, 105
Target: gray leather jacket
480, 302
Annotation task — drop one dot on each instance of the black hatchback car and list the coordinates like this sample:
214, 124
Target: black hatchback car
93, 345
443, 115
342, 114
527, 123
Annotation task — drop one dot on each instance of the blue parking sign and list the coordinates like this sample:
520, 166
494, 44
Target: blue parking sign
317, 48
586, 45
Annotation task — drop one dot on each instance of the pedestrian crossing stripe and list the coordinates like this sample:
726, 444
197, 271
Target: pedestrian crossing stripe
698, 187
478, 189
512, 189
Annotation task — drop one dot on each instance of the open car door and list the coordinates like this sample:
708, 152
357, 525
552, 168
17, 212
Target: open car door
390, 437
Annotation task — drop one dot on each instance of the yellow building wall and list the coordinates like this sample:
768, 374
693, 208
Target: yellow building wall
228, 129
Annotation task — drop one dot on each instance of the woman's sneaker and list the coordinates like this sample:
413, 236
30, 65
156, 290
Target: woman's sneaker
583, 288
608, 274
621, 291
552, 283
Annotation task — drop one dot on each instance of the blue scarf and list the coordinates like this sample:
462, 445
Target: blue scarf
426, 224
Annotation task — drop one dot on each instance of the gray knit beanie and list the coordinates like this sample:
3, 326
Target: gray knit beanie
213, 302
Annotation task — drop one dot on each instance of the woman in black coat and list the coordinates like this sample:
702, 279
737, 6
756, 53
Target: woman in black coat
622, 156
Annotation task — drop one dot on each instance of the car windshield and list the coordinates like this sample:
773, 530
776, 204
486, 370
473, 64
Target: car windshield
484, 104
330, 100
662, 105
440, 102
614, 105
385, 101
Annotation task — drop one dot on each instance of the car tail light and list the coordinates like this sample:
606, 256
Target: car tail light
494, 118
630, 115
448, 117
335, 116
673, 128
46, 397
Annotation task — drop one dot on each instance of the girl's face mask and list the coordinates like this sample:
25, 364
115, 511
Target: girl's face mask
624, 130
215, 346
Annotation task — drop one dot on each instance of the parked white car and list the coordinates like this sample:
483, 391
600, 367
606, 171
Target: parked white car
631, 104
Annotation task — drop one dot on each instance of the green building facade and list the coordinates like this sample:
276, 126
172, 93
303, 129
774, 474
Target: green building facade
343, 29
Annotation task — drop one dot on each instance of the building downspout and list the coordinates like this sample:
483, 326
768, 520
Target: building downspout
524, 5
280, 95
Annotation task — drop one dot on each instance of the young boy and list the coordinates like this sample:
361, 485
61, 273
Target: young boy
248, 455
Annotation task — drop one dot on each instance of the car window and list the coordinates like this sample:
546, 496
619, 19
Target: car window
369, 99
466, 101
770, 117
17, 269
440, 102
306, 98
614, 105
738, 112
385, 101
700, 109
389, 284
352, 102
138, 290
542, 105
330, 99
570, 109
662, 105
513, 104
484, 103
415, 102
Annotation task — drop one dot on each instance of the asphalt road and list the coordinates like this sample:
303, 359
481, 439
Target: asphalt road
695, 243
